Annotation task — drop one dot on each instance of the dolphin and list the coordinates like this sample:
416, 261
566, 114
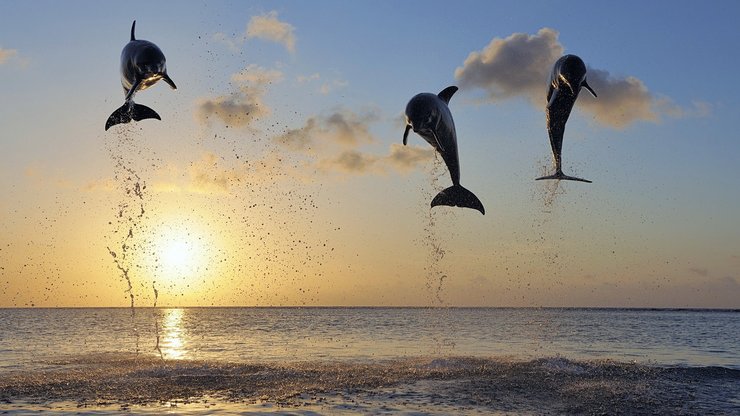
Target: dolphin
430, 117
567, 77
142, 65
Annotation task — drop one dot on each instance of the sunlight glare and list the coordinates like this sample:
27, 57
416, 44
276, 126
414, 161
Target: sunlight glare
173, 342
180, 253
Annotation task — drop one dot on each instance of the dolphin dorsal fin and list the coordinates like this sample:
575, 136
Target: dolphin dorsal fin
446, 93
133, 26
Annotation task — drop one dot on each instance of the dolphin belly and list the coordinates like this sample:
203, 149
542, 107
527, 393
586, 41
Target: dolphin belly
557, 113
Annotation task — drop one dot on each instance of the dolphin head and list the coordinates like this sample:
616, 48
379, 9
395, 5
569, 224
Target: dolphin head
572, 73
150, 64
421, 113
149, 59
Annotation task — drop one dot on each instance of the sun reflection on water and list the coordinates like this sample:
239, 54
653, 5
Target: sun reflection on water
172, 344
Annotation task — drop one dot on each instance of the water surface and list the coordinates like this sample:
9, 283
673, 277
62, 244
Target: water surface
370, 360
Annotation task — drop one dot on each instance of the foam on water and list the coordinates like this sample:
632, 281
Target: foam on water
110, 382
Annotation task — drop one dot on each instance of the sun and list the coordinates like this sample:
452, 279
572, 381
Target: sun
180, 252
179, 255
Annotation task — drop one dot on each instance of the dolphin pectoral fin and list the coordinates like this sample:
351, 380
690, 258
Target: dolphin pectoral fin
588, 87
120, 116
142, 112
406, 134
439, 144
447, 93
133, 26
457, 196
169, 81
561, 176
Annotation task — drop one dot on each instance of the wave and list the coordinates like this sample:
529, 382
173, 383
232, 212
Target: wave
424, 384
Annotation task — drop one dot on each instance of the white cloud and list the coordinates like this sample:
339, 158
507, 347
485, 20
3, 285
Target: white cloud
243, 106
7, 54
269, 27
308, 78
515, 66
328, 87
11, 56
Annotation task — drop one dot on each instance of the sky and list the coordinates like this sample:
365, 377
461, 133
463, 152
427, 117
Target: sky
277, 175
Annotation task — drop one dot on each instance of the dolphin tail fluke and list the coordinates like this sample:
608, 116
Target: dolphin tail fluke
120, 116
142, 112
457, 196
126, 113
559, 175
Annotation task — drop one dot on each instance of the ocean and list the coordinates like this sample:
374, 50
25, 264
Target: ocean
409, 361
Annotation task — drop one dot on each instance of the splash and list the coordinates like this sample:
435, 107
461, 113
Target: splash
434, 270
129, 223
447, 385
548, 191
156, 321
435, 276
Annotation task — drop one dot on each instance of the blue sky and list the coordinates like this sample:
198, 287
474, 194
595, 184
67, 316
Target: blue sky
656, 228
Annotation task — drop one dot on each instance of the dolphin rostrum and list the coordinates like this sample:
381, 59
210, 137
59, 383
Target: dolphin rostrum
567, 78
142, 65
430, 117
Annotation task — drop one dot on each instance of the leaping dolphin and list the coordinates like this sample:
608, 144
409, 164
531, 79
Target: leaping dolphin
430, 117
142, 65
567, 78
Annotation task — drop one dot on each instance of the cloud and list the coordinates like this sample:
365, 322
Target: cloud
407, 158
515, 66
623, 101
256, 76
243, 106
7, 54
338, 138
308, 78
326, 87
350, 161
519, 66
400, 158
343, 127
268, 27
207, 176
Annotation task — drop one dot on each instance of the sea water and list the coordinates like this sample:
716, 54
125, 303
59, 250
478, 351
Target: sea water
369, 361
